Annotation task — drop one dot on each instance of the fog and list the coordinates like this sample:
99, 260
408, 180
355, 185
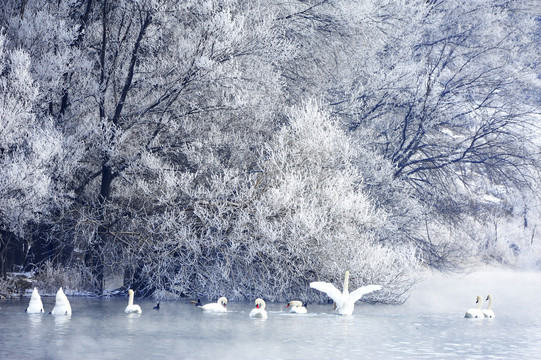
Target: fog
511, 290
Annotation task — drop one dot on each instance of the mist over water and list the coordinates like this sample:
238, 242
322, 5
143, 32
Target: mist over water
512, 291
429, 325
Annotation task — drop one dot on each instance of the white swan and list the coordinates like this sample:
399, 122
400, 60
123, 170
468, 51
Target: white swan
296, 307
62, 305
218, 306
488, 313
476, 312
132, 308
345, 301
259, 311
35, 306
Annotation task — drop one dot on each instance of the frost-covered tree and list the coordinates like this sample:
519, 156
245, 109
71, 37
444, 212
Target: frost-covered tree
174, 84
301, 217
183, 170
29, 145
450, 111
314, 185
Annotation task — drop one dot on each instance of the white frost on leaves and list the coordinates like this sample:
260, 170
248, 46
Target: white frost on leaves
29, 145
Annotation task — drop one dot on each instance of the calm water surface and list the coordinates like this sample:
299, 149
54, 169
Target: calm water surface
429, 326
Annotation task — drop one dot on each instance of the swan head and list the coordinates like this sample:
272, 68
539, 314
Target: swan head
130, 292
479, 299
222, 301
294, 303
489, 299
259, 303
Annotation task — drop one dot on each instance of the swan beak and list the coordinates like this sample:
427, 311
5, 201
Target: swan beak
257, 306
287, 305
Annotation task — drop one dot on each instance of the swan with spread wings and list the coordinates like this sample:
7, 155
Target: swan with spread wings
345, 301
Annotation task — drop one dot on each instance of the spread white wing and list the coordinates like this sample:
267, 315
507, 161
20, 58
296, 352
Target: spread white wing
329, 289
358, 294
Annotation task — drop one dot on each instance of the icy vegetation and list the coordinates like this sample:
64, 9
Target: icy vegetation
301, 216
247, 148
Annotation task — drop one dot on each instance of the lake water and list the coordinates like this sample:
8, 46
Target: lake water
430, 325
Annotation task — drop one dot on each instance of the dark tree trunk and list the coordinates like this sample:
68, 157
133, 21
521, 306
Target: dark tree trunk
103, 230
107, 174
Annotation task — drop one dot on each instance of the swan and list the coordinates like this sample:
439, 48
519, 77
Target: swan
35, 306
476, 312
218, 306
488, 313
259, 311
345, 301
132, 308
62, 305
296, 307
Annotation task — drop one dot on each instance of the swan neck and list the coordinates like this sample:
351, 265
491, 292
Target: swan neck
489, 303
130, 300
346, 283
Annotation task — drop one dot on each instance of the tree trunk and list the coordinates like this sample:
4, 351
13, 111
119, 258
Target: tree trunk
3, 248
103, 230
107, 175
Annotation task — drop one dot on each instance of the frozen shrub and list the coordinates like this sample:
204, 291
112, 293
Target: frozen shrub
302, 217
